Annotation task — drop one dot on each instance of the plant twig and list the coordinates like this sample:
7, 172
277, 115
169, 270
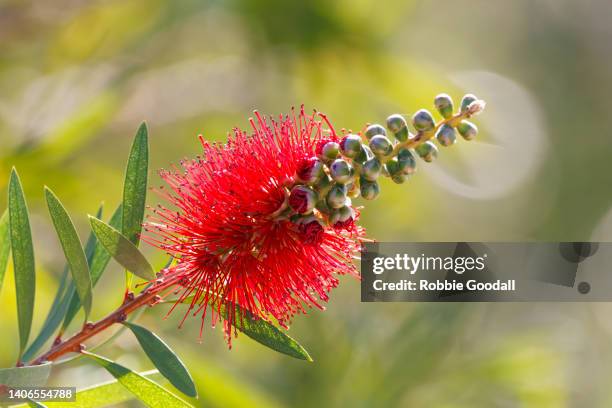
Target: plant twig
75, 344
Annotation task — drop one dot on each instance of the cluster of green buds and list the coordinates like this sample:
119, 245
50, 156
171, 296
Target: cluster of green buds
325, 184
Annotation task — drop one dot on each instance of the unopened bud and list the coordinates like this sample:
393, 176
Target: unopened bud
371, 169
341, 171
350, 145
403, 135
323, 185
302, 199
364, 154
399, 178
406, 161
467, 130
330, 151
310, 170
396, 123
444, 105
381, 145
446, 135
427, 151
374, 130
369, 189
423, 121
310, 229
336, 197
466, 101
392, 166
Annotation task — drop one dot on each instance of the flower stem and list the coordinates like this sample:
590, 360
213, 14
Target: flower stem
132, 303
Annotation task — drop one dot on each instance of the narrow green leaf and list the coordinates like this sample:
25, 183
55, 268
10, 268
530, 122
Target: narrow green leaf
73, 249
97, 258
65, 304
262, 332
101, 256
23, 258
29, 376
103, 394
135, 186
267, 334
5, 245
135, 190
120, 248
150, 393
108, 393
166, 360
54, 316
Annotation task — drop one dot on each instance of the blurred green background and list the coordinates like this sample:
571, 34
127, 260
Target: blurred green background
77, 77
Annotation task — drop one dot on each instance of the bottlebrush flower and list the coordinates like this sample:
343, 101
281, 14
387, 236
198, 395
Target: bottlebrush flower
230, 224
264, 222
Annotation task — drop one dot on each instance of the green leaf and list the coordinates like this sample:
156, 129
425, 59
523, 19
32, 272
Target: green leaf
267, 334
5, 245
97, 259
135, 186
135, 190
29, 376
107, 393
65, 304
166, 361
120, 248
262, 332
150, 393
23, 258
54, 317
103, 394
73, 249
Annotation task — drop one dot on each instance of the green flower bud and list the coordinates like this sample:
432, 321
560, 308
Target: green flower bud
467, 129
350, 145
392, 166
403, 134
371, 169
323, 185
336, 197
446, 135
396, 122
406, 161
427, 151
302, 199
399, 178
346, 213
466, 101
330, 151
374, 130
341, 171
364, 154
423, 121
381, 145
444, 105
369, 189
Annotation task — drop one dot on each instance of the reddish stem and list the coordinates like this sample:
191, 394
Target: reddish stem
74, 344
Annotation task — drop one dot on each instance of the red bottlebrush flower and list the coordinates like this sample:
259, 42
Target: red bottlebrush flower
230, 230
